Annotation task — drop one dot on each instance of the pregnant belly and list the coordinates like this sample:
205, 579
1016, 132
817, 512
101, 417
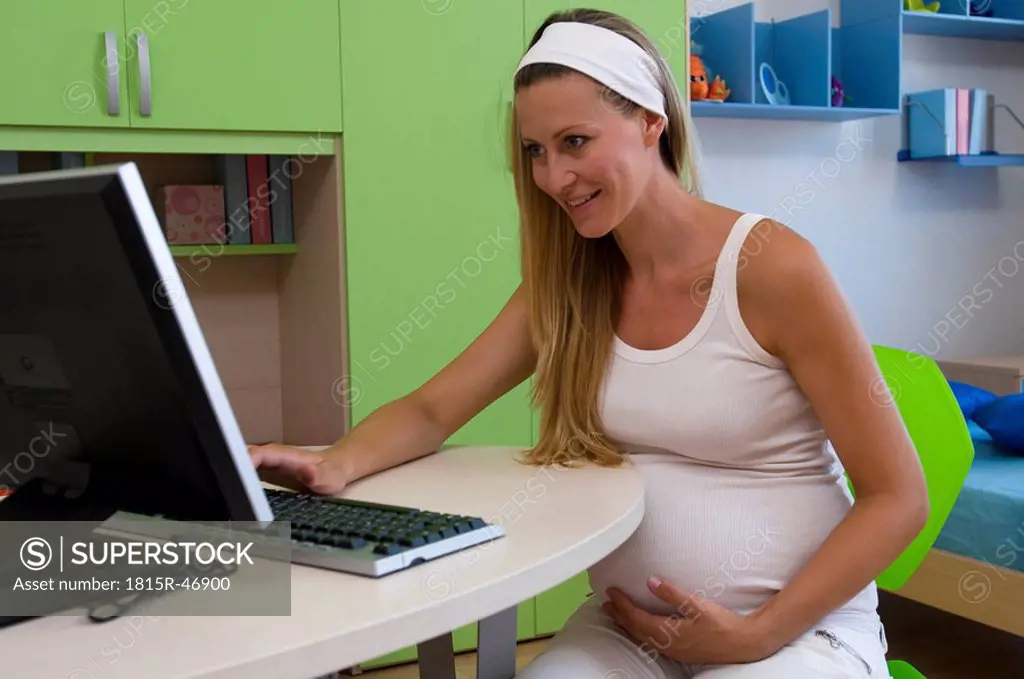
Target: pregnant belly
733, 540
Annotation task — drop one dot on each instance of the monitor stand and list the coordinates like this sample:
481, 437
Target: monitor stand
73, 493
64, 493
62, 496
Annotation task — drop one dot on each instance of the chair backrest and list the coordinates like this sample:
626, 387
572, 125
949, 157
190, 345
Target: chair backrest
936, 425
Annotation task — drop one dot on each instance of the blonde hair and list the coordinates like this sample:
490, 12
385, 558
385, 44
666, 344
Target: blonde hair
573, 284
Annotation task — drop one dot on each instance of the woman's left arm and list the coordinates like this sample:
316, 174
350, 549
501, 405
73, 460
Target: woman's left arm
800, 315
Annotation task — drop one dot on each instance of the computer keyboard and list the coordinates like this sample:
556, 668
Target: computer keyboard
368, 538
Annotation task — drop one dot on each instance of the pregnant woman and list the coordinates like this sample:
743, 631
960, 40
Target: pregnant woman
709, 348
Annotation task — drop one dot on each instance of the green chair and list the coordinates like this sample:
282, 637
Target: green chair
903, 670
933, 418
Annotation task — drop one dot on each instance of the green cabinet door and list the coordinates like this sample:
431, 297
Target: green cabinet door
234, 65
56, 66
554, 606
431, 225
664, 21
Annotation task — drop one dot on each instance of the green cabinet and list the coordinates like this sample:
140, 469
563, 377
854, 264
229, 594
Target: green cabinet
234, 65
228, 66
430, 220
431, 225
55, 64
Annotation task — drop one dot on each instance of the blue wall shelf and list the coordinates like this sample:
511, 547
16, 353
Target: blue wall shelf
953, 20
863, 53
939, 108
731, 109
974, 160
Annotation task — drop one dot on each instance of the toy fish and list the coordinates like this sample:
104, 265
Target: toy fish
919, 6
698, 79
718, 92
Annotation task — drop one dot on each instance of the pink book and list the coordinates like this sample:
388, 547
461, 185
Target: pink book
963, 120
259, 199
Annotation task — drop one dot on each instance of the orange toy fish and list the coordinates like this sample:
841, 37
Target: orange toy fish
718, 91
698, 79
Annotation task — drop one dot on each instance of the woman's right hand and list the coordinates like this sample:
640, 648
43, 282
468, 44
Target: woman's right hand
299, 469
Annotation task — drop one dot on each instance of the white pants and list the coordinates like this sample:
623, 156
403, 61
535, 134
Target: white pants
591, 646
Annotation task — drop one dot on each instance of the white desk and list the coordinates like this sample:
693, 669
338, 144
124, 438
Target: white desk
558, 523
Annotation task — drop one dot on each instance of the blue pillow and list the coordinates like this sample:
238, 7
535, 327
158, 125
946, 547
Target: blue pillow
977, 432
1003, 419
970, 398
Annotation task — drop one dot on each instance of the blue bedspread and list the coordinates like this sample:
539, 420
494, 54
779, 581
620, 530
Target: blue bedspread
987, 521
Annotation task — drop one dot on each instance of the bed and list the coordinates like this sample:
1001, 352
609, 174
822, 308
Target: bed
976, 567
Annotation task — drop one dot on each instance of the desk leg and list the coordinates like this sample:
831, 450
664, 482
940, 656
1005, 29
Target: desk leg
496, 646
437, 657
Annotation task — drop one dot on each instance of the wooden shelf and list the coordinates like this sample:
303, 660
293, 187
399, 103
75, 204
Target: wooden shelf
970, 160
274, 324
963, 26
217, 250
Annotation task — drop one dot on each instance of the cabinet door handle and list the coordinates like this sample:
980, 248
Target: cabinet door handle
145, 93
113, 75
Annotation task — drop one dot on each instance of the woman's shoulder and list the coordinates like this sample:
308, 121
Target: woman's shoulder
782, 282
773, 252
771, 258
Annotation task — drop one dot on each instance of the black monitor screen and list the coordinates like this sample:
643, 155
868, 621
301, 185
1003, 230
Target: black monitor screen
101, 383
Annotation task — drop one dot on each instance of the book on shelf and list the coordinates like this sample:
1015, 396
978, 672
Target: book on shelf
65, 161
948, 122
963, 118
280, 183
8, 162
230, 172
257, 198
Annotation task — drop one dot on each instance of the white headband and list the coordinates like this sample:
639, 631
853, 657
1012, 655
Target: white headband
606, 56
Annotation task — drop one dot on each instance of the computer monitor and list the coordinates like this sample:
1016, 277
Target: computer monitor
109, 398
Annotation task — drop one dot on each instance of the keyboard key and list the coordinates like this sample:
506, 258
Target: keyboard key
412, 540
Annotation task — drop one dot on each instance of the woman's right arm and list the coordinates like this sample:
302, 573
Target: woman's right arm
498, 360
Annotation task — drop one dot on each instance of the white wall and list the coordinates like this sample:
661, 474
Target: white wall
914, 245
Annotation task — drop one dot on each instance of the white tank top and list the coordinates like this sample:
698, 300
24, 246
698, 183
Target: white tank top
741, 485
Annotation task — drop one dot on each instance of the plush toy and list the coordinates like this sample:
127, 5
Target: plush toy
698, 79
920, 6
700, 88
718, 92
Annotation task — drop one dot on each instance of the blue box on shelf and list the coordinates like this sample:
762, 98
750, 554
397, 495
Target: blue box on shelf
930, 124
798, 51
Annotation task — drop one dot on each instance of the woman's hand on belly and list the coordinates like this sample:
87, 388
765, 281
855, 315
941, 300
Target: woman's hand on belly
698, 631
